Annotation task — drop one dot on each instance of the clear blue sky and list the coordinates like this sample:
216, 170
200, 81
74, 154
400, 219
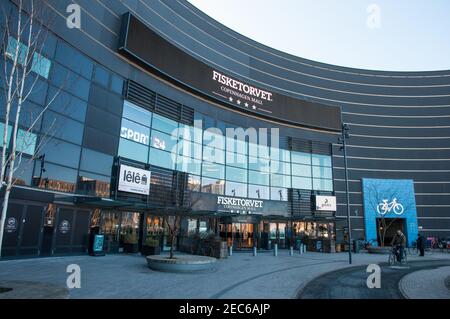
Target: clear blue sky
400, 35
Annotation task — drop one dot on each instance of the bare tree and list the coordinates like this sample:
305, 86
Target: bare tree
184, 204
25, 31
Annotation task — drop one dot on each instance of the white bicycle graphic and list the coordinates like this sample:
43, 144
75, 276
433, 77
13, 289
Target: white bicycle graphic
385, 207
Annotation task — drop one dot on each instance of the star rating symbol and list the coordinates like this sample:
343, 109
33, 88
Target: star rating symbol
231, 99
254, 107
246, 104
238, 102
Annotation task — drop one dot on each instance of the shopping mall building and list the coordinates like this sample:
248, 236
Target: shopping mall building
159, 115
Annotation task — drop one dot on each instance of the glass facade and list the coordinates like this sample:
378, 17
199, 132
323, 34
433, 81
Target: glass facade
218, 164
78, 155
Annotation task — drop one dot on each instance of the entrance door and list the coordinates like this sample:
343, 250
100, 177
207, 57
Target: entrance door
387, 227
277, 234
243, 235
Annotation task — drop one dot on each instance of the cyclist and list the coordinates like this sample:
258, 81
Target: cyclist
399, 244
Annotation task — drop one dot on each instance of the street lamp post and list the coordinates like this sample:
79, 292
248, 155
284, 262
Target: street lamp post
343, 142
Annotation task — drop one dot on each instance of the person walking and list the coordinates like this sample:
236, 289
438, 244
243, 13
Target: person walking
421, 245
399, 242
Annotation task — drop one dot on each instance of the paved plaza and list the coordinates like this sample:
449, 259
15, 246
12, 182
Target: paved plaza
127, 276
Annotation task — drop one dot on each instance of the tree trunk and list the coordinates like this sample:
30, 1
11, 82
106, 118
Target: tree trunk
3, 217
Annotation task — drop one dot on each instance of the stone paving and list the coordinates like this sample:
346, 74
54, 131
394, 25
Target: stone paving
239, 276
426, 284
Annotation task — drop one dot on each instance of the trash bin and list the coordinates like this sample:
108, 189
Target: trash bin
356, 246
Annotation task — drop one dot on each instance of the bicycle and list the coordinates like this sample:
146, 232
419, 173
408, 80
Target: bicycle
393, 257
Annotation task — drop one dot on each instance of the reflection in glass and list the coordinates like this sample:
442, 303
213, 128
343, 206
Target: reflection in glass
213, 186
236, 189
258, 191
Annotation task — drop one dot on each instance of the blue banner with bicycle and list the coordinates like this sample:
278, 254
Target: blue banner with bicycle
389, 205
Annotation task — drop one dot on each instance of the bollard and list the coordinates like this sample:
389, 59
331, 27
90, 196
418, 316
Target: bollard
301, 249
230, 251
291, 251
255, 251
275, 249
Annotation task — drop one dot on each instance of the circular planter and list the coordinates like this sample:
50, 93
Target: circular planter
183, 263
379, 250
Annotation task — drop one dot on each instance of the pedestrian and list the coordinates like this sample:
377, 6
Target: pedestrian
421, 245
399, 243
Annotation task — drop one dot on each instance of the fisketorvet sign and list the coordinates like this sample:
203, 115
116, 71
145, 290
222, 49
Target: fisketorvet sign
239, 204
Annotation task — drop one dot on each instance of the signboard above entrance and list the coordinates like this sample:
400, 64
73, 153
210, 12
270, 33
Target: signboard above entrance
325, 203
143, 45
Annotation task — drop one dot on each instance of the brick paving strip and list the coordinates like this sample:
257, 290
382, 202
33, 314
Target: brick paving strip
426, 284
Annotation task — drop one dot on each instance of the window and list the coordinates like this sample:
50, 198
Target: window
67, 104
61, 153
194, 183
73, 59
116, 84
214, 138
26, 142
101, 76
236, 174
163, 142
215, 155
12, 48
189, 165
236, 160
213, 170
135, 132
301, 158
57, 177
278, 193
62, 127
260, 151
162, 159
133, 150
236, 189
236, 145
301, 182
259, 164
279, 154
258, 191
137, 114
96, 162
301, 170
214, 186
323, 184
258, 178
163, 124
2, 127
321, 160
322, 172
39, 64
71, 82
189, 149
280, 167
93, 184
280, 180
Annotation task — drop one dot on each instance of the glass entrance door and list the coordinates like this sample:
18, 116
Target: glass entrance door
240, 235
